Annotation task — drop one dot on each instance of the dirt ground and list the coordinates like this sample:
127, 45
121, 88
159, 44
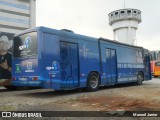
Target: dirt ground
123, 97
128, 97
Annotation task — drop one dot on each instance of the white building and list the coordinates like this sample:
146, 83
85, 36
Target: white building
125, 23
17, 15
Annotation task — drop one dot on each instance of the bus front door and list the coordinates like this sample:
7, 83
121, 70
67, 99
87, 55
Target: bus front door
69, 65
111, 66
147, 67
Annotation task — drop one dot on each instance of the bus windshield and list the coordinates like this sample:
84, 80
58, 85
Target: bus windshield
25, 45
157, 64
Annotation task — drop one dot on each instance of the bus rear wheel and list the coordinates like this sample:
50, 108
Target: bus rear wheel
93, 82
9, 87
140, 78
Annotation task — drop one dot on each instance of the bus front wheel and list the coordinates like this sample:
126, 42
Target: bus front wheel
93, 82
139, 78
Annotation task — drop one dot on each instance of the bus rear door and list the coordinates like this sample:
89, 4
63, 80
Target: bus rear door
69, 65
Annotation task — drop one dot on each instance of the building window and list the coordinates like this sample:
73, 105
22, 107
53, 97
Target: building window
116, 13
14, 20
122, 12
128, 11
135, 11
14, 5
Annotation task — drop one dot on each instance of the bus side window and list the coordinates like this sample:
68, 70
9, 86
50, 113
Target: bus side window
64, 54
139, 57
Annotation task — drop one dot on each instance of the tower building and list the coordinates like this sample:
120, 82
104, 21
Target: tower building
125, 23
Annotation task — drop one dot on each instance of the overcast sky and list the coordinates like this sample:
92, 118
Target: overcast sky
90, 17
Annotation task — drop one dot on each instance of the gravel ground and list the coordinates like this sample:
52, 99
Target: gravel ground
114, 98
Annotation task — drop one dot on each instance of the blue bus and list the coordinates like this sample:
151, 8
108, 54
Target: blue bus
62, 60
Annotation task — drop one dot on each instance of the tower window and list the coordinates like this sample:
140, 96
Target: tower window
128, 11
135, 11
116, 13
122, 12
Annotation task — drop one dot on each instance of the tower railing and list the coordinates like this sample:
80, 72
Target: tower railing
124, 14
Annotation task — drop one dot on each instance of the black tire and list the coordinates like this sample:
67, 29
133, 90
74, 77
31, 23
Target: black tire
155, 76
11, 87
140, 78
93, 82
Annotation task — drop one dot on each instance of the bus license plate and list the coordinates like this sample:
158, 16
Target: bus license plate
23, 79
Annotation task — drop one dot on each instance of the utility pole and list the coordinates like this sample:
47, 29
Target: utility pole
124, 4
